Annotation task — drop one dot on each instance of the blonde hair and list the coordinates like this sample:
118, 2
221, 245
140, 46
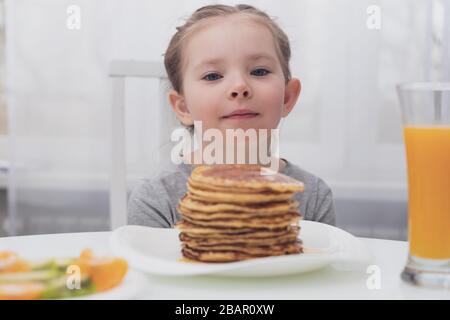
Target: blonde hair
173, 56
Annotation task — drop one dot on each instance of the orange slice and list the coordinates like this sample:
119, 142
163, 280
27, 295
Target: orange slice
11, 262
21, 291
105, 272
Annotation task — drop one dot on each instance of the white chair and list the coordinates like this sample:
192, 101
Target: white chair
119, 71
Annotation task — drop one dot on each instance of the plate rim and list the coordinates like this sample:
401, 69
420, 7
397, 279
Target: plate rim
225, 269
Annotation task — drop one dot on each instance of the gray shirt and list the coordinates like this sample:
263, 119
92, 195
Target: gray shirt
153, 202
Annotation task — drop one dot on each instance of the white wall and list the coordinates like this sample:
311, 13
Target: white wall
346, 127
59, 90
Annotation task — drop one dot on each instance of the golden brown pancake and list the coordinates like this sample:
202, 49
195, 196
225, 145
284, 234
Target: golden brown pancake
243, 176
205, 216
231, 197
209, 187
186, 226
203, 206
232, 213
200, 232
230, 256
249, 249
193, 242
269, 223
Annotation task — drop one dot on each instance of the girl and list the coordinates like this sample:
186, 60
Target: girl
229, 69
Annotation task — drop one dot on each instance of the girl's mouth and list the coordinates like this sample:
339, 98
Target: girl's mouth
241, 114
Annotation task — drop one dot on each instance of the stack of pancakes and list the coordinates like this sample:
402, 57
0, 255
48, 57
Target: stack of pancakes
233, 212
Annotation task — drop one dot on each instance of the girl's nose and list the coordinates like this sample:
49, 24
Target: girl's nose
242, 91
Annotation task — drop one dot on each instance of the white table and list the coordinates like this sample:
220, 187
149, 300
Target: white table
328, 283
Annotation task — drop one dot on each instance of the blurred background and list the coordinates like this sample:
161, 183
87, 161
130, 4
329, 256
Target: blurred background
56, 99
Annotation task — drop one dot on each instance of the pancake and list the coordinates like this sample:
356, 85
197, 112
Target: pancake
231, 256
269, 223
186, 226
196, 184
232, 197
275, 249
233, 212
193, 242
229, 215
207, 232
244, 176
202, 231
211, 207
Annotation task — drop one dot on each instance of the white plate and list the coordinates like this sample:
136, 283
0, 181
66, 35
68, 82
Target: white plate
158, 251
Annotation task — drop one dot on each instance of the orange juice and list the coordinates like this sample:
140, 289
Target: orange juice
428, 156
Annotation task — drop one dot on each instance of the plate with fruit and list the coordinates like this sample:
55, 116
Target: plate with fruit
86, 276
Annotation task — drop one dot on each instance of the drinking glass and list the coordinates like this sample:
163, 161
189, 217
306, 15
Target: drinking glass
425, 109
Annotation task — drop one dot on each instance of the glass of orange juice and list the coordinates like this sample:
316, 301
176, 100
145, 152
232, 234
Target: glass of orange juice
426, 129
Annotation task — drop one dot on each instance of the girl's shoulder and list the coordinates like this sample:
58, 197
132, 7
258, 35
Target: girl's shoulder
316, 201
312, 182
167, 180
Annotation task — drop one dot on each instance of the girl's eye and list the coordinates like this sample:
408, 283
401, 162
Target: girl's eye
212, 77
260, 72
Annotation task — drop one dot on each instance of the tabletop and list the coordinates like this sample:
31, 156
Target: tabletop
380, 280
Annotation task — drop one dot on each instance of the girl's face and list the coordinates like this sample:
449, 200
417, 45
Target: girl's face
232, 77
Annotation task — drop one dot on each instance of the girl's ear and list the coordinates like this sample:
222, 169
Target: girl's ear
291, 94
178, 104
